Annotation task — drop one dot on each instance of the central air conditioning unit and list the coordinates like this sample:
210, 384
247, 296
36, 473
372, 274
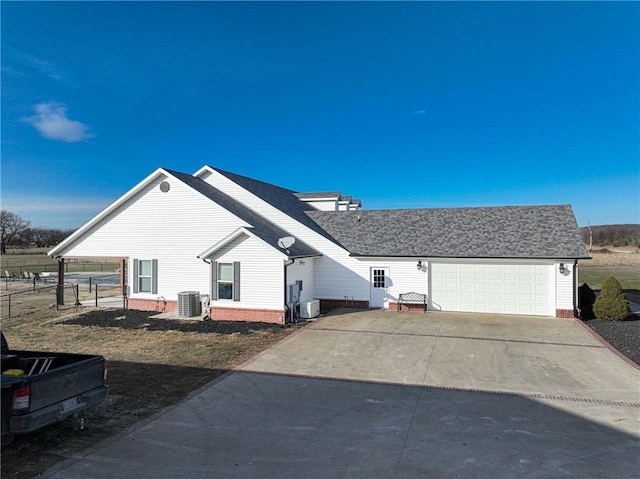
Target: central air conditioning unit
310, 309
189, 304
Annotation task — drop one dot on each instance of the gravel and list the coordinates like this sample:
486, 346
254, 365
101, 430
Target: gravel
622, 335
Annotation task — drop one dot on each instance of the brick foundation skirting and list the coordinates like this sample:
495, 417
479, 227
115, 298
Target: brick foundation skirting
217, 314
250, 315
151, 305
406, 307
565, 313
329, 304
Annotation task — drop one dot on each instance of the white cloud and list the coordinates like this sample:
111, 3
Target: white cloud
52, 123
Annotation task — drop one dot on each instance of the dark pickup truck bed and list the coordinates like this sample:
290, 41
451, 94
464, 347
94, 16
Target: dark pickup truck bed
41, 388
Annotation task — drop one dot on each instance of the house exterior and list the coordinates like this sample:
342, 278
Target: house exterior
259, 250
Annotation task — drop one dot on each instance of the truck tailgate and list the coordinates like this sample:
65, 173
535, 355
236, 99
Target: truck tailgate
60, 384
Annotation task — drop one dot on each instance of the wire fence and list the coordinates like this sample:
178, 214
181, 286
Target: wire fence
27, 296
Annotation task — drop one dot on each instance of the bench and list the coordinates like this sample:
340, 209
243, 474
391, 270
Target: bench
412, 298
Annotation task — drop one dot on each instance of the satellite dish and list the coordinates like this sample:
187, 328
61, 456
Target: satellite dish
286, 242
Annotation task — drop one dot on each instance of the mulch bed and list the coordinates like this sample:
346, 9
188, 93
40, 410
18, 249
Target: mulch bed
133, 319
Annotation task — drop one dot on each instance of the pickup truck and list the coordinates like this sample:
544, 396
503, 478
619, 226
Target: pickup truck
41, 388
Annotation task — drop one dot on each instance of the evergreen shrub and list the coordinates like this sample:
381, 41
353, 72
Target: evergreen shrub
611, 304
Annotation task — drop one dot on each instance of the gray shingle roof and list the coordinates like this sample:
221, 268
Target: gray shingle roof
320, 194
281, 198
490, 232
262, 228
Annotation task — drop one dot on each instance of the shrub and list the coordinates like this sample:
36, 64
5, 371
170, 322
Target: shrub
586, 298
611, 304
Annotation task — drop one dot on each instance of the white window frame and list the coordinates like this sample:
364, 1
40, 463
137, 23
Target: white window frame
234, 282
137, 277
228, 282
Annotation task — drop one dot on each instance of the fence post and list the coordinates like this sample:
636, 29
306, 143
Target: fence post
76, 291
124, 297
9, 307
90, 284
96, 295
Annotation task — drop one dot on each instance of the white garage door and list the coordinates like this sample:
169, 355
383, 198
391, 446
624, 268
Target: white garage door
493, 288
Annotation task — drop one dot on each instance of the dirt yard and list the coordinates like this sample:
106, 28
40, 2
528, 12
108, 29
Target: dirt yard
153, 363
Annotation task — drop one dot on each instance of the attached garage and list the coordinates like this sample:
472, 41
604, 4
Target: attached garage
493, 287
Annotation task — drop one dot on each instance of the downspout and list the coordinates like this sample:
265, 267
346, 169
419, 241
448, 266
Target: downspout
286, 307
575, 289
211, 286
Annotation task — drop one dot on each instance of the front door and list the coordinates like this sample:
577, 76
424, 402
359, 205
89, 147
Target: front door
379, 287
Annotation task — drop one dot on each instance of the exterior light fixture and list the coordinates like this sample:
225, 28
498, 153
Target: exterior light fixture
562, 269
419, 265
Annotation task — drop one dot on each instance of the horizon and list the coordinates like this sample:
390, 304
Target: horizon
402, 105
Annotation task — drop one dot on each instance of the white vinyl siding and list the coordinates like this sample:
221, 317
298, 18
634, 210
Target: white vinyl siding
564, 285
259, 279
492, 287
173, 227
302, 270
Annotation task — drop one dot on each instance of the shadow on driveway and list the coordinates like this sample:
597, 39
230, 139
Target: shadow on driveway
250, 424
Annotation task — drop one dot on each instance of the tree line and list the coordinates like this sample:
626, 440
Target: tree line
17, 232
612, 235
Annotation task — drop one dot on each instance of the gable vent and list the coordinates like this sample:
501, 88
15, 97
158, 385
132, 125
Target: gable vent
189, 304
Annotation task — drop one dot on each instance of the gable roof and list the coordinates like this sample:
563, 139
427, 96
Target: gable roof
489, 232
281, 198
262, 228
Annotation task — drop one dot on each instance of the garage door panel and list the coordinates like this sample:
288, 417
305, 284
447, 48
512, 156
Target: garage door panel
492, 287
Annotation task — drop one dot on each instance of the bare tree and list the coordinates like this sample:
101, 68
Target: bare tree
12, 227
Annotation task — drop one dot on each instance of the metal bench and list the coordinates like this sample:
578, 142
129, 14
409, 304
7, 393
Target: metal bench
412, 298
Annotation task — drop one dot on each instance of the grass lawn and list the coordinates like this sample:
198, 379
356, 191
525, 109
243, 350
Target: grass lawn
628, 276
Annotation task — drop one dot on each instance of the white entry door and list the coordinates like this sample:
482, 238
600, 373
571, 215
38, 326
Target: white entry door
379, 287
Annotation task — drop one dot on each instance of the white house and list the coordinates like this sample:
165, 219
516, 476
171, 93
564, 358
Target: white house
251, 245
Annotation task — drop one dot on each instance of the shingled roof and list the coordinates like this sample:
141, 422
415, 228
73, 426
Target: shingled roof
262, 228
488, 232
281, 198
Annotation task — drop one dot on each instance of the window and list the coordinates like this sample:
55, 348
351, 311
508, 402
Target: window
379, 278
225, 281
145, 276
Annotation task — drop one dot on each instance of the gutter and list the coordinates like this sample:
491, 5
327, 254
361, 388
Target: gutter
398, 256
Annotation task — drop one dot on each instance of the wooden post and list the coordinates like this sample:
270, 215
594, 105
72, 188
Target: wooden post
60, 287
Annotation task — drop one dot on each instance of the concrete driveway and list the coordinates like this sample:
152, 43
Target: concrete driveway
400, 395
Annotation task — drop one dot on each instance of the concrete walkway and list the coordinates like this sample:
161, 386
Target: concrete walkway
400, 395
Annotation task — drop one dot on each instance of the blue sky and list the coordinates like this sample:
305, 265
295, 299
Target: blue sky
403, 105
